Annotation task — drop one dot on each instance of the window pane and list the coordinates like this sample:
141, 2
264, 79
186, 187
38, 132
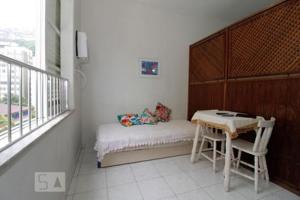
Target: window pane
34, 97
52, 36
3, 105
29, 98
15, 102
25, 101
20, 30
39, 99
66, 95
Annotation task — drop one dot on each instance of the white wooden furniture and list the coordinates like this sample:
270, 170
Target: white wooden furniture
258, 149
212, 136
231, 126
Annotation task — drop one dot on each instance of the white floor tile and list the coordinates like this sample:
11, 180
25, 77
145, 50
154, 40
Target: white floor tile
170, 198
179, 175
70, 197
206, 177
155, 189
119, 175
180, 183
185, 164
238, 184
167, 167
72, 186
264, 190
144, 170
125, 192
79, 161
90, 182
195, 195
88, 163
217, 192
89, 168
282, 195
163, 160
93, 195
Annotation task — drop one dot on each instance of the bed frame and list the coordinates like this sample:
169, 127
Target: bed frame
132, 155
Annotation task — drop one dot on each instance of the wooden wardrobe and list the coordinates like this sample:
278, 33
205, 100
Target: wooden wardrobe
253, 66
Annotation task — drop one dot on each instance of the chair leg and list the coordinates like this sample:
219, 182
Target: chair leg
266, 168
261, 167
201, 148
256, 174
214, 156
195, 142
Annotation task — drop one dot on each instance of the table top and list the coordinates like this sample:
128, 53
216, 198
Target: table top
230, 122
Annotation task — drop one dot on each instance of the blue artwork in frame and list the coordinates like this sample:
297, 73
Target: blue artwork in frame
149, 68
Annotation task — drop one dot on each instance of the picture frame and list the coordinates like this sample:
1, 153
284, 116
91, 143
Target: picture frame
149, 68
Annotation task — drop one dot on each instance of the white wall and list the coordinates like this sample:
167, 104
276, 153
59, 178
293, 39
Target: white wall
69, 24
56, 151
120, 32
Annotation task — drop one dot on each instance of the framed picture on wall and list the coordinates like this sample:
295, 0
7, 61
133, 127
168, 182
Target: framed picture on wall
149, 68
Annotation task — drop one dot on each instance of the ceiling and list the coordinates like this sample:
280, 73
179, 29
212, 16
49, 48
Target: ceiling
227, 10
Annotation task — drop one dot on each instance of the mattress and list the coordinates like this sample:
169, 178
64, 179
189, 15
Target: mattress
115, 137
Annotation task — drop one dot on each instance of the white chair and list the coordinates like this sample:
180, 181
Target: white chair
258, 149
212, 136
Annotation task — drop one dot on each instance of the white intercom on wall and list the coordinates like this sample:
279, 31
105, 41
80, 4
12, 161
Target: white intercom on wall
81, 45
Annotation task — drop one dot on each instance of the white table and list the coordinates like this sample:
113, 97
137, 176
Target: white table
232, 126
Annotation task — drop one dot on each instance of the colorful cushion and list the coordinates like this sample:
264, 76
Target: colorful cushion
162, 113
129, 119
147, 117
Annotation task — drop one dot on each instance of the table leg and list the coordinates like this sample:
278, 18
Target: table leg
195, 143
227, 162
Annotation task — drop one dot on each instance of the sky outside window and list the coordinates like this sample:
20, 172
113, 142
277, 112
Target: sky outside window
19, 14
19, 29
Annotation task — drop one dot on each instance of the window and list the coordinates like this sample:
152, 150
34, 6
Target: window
53, 36
31, 90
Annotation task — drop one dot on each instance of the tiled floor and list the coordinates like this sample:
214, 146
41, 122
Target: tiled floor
165, 179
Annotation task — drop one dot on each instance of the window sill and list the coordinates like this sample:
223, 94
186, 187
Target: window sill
11, 152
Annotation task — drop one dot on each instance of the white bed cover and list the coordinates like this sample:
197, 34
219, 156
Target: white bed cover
114, 137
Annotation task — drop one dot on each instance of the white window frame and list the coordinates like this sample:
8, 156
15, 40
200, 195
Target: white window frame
49, 87
50, 66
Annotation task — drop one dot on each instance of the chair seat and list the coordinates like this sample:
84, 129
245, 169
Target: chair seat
245, 146
214, 136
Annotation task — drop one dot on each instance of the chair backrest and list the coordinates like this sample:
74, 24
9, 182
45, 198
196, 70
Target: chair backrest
263, 135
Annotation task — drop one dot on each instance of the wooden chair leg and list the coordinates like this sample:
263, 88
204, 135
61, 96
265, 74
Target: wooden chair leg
214, 156
261, 167
266, 169
256, 174
200, 149
195, 143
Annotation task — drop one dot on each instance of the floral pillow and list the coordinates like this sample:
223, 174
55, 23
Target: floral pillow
147, 117
129, 119
162, 113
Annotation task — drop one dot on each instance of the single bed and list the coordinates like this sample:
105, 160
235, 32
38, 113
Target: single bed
117, 144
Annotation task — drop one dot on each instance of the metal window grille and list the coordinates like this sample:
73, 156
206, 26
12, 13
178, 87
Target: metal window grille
29, 98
